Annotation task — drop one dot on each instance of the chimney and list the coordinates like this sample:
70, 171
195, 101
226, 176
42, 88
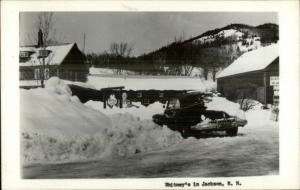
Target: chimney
40, 38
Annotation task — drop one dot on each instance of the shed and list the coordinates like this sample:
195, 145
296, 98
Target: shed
250, 76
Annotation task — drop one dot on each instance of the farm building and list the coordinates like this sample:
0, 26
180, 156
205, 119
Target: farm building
65, 61
254, 75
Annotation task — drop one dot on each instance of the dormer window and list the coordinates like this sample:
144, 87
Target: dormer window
24, 54
43, 53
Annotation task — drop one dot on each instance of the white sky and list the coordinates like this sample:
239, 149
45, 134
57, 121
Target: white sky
146, 31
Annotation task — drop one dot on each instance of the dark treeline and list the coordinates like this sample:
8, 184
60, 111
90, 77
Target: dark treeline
181, 56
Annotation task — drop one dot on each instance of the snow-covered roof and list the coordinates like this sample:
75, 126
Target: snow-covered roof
254, 60
56, 56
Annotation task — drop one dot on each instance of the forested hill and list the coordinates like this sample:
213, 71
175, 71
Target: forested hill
268, 33
207, 53
214, 49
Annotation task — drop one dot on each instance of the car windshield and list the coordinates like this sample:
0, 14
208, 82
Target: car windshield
173, 103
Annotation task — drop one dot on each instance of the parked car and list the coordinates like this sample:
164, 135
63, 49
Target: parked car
188, 113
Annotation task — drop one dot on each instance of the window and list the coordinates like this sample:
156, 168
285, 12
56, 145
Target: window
36, 74
24, 54
21, 75
46, 73
174, 103
43, 53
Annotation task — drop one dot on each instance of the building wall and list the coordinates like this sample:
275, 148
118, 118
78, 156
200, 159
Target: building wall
243, 86
74, 66
67, 73
252, 85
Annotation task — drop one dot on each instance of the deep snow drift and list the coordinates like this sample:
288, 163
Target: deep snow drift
56, 127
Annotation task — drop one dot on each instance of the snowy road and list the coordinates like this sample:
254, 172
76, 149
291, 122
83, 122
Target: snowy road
253, 152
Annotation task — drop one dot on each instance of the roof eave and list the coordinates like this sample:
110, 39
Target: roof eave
249, 71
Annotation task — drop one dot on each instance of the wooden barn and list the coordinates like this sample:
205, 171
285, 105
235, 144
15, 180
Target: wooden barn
65, 61
254, 75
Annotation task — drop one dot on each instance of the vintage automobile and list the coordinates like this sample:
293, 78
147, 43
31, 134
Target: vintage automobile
187, 113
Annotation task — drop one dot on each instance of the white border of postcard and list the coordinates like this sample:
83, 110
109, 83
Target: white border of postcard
288, 12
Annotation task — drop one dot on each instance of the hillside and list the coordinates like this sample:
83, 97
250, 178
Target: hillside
268, 33
203, 55
214, 49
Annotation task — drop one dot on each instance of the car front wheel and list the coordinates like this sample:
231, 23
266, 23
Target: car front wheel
232, 131
185, 132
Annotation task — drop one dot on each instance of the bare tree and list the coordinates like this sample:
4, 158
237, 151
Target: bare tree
246, 103
122, 49
45, 23
45, 26
187, 67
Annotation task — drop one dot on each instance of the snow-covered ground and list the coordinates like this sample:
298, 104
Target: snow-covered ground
138, 82
152, 82
106, 71
196, 72
57, 128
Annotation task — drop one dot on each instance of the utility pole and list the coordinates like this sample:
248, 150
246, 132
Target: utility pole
43, 70
84, 42
41, 45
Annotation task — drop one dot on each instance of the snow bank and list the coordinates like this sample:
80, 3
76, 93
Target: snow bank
256, 117
57, 86
56, 127
147, 83
53, 111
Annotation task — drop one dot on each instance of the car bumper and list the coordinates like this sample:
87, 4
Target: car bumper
220, 124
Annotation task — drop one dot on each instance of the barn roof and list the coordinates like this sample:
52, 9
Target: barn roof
254, 60
56, 56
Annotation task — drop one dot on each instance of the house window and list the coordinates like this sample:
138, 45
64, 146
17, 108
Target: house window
21, 75
43, 53
46, 73
24, 54
36, 74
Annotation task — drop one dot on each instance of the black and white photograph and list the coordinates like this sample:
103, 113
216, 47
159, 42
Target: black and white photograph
131, 95
141, 95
